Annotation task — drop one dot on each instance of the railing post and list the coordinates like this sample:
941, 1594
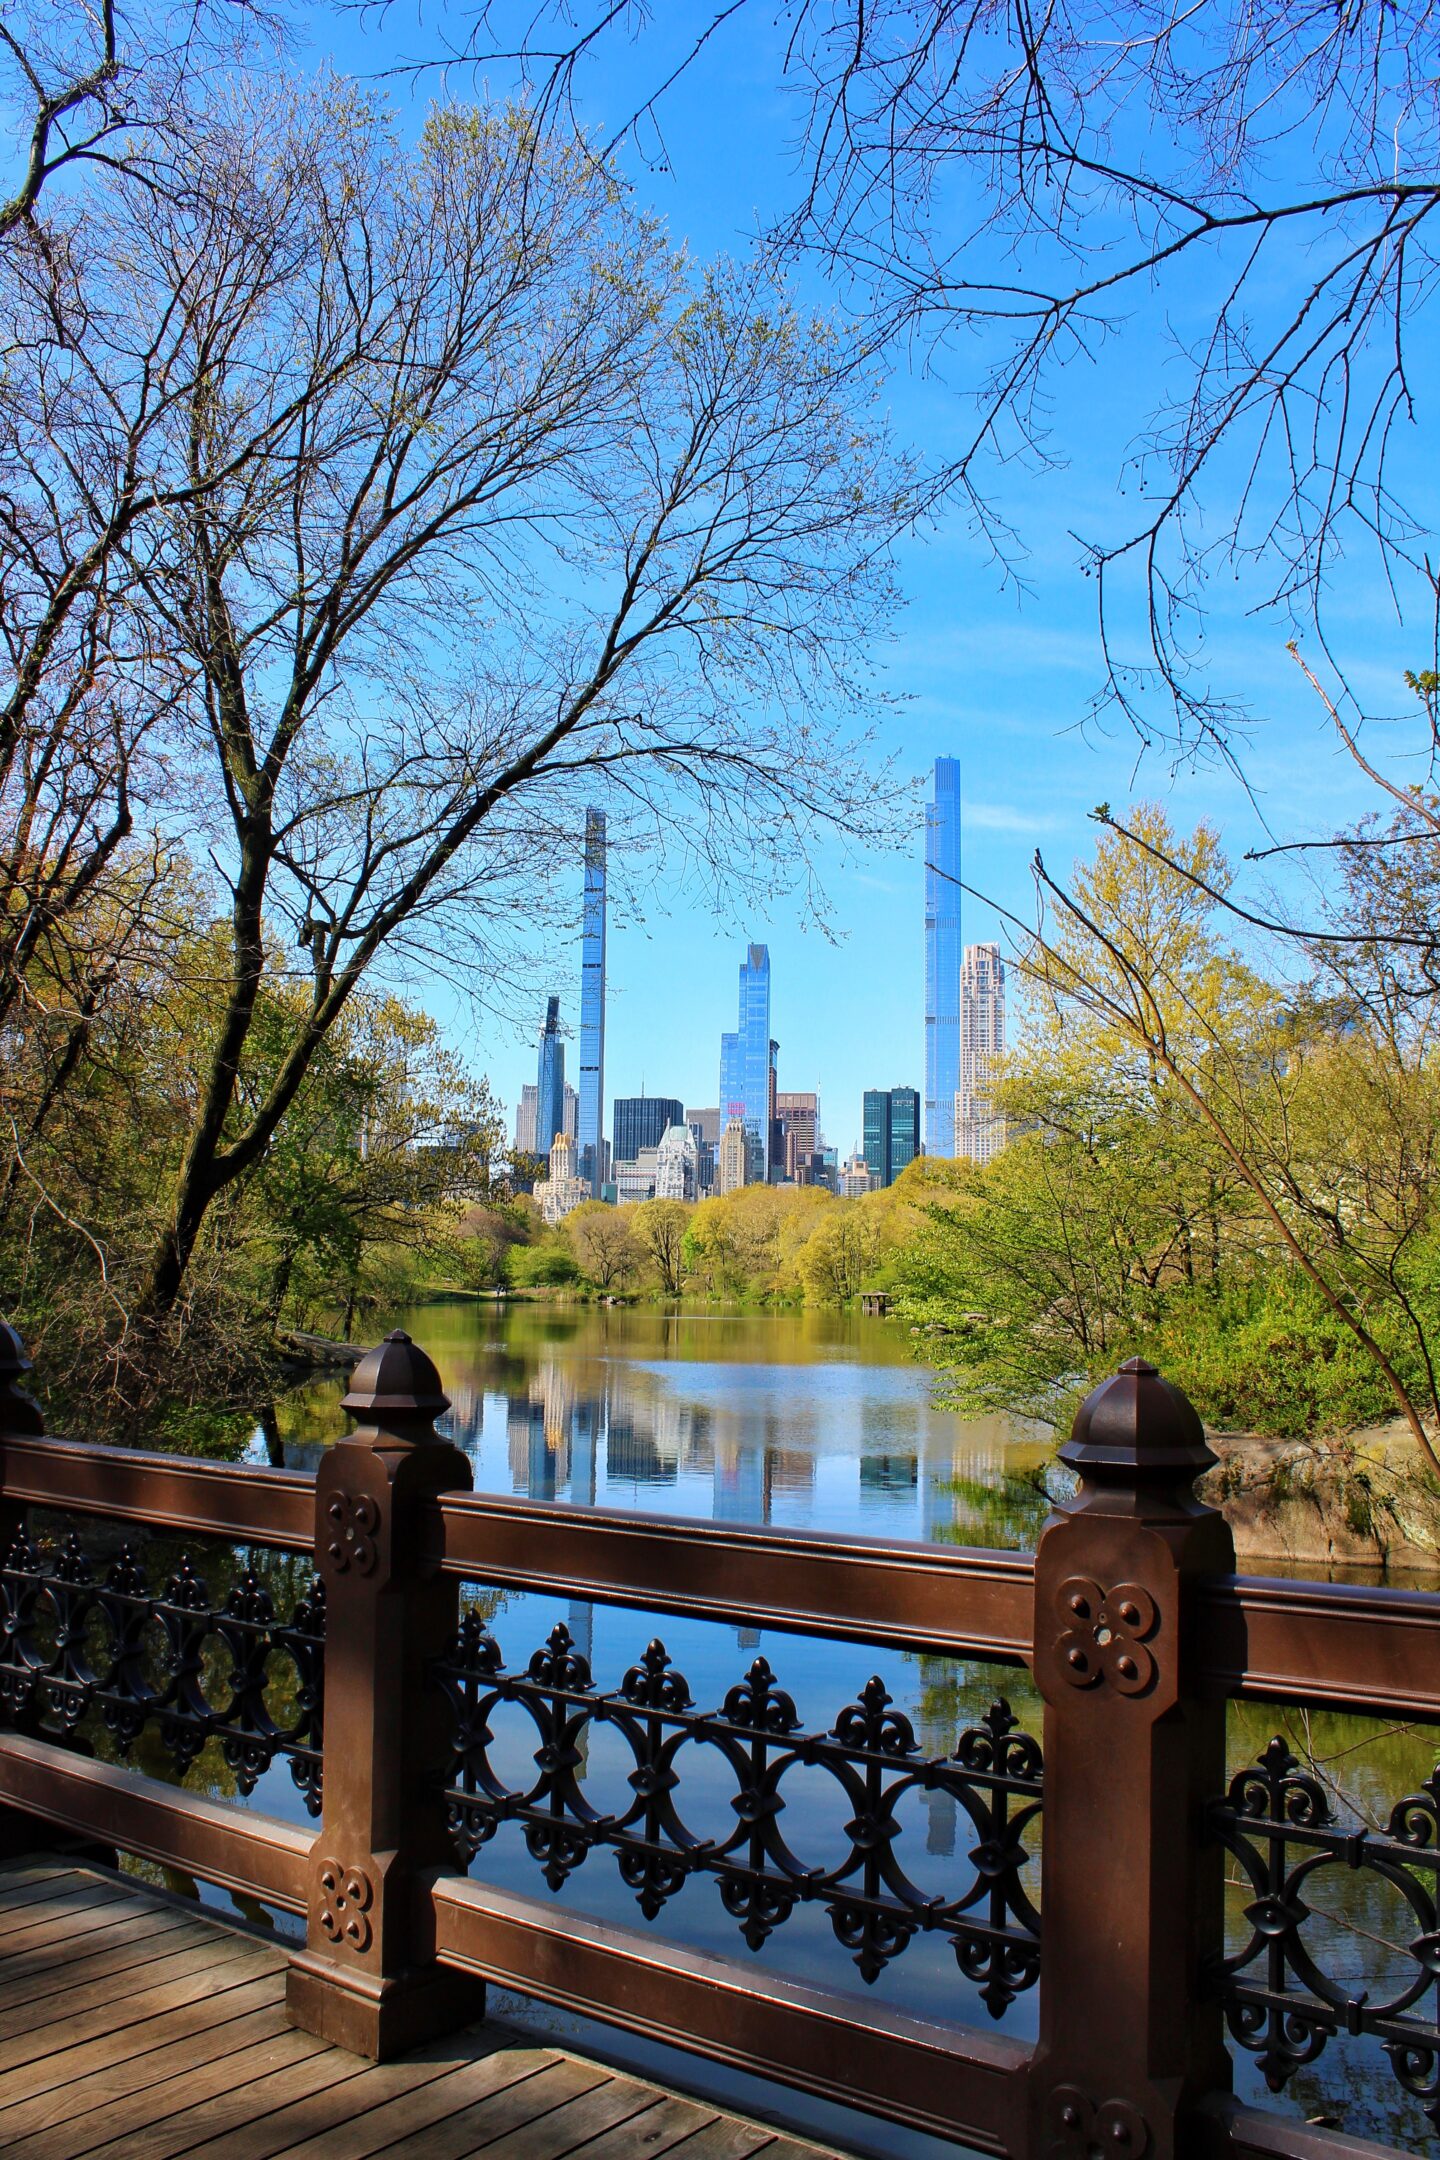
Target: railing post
1131, 1893
367, 1979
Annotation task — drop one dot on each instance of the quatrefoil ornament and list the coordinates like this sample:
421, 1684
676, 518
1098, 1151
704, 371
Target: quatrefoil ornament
345, 1898
351, 1521
1081, 2127
1105, 1634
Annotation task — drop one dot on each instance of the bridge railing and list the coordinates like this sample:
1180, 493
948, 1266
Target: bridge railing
328, 1630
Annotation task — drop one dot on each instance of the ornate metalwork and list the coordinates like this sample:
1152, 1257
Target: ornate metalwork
344, 1896
74, 1642
1080, 2126
1278, 1823
995, 1777
1105, 1634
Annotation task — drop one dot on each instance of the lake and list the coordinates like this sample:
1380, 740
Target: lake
804, 1420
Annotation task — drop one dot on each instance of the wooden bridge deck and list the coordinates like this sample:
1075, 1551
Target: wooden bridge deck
131, 2029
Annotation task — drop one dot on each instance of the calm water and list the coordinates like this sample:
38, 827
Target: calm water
805, 1420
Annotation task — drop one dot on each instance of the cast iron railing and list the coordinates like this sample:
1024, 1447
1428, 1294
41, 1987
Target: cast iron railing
1130, 1616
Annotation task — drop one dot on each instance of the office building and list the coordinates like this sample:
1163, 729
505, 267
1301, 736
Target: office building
550, 1081
942, 958
705, 1124
677, 1165
635, 1180
979, 1126
892, 1137
640, 1121
590, 1123
748, 1066
525, 1120
799, 1119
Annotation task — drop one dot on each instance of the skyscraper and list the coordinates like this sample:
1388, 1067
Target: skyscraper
942, 957
892, 1131
904, 1128
747, 1064
590, 1132
550, 1081
640, 1121
525, 1116
979, 1127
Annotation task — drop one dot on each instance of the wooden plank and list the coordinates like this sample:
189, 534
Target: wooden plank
458, 2091
187, 2057
219, 2122
617, 2101
255, 2047
730, 2139
230, 1993
69, 1923
66, 2011
216, 1970
109, 1949
45, 1903
488, 2126
333, 2101
662, 2126
37, 1868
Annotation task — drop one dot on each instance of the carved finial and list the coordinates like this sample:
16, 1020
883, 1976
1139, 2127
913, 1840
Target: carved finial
1137, 1429
396, 1386
19, 1412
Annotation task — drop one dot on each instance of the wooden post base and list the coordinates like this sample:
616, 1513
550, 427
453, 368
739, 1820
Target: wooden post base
380, 2017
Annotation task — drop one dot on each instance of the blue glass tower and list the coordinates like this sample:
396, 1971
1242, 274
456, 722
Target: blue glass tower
590, 1124
943, 956
747, 1063
550, 1081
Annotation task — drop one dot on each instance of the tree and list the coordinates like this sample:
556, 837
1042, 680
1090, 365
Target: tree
1319, 1108
841, 1252
555, 390
604, 1245
1019, 191
659, 1228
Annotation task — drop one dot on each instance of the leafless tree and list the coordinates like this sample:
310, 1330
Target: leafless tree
469, 497
1247, 195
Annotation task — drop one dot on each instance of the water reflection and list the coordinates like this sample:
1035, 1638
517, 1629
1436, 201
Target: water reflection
802, 1420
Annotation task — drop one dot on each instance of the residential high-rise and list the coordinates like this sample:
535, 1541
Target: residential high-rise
734, 1161
677, 1165
562, 1189
979, 1126
550, 1081
942, 957
747, 1065
525, 1120
705, 1124
570, 1112
892, 1137
590, 1124
640, 1121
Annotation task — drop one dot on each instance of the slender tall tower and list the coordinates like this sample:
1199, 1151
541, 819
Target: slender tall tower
550, 1081
747, 1064
942, 958
979, 1127
591, 1132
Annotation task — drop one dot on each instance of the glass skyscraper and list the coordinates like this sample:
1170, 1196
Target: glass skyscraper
550, 1081
892, 1131
943, 956
590, 1132
747, 1063
641, 1121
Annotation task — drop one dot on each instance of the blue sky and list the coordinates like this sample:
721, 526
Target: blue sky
999, 678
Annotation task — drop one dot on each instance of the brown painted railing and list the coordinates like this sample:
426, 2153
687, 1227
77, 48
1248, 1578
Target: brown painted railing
1130, 1616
